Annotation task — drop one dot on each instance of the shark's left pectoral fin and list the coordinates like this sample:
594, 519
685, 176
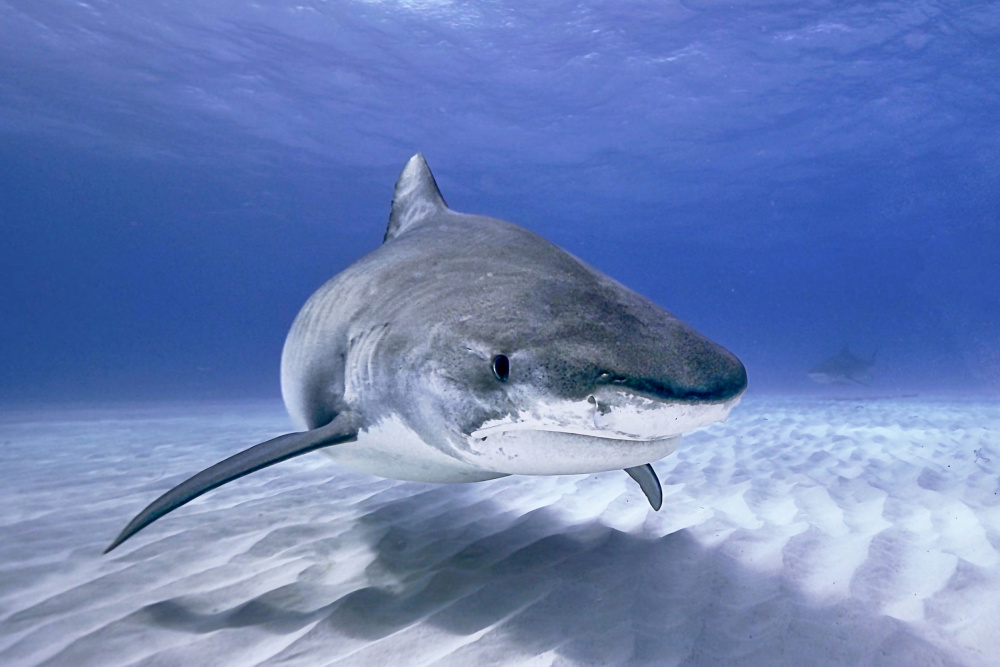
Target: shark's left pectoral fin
342, 429
649, 484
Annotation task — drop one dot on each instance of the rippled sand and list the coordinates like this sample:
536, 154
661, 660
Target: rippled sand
801, 532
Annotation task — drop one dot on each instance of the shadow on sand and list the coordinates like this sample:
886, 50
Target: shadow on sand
488, 586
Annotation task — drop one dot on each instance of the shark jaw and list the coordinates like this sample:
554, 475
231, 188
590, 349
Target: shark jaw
574, 437
561, 437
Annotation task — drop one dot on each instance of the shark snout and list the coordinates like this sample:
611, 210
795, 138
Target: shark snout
722, 379
715, 377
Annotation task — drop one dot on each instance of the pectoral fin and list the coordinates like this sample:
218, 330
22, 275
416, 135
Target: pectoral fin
649, 484
342, 429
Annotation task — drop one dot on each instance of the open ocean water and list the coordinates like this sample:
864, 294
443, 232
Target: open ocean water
813, 185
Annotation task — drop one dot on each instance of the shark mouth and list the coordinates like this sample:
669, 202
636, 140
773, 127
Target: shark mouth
597, 432
626, 417
567, 438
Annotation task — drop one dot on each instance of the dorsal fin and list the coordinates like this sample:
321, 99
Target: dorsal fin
415, 198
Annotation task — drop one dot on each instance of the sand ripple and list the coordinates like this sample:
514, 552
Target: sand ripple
800, 532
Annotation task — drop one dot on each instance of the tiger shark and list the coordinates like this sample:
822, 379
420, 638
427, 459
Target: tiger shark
843, 368
467, 348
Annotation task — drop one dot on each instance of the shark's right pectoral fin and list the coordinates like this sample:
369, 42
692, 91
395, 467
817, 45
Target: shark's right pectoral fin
649, 483
344, 428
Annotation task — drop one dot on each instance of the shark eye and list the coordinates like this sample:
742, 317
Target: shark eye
501, 367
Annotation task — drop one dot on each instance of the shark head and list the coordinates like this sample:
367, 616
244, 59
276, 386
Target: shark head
560, 377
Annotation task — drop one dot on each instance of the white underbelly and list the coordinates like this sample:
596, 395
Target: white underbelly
393, 450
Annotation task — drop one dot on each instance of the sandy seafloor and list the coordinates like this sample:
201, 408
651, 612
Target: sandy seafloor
800, 532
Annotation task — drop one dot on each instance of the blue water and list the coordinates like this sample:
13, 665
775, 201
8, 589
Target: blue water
789, 177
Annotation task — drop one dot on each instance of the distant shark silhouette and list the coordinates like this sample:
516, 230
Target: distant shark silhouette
844, 368
467, 348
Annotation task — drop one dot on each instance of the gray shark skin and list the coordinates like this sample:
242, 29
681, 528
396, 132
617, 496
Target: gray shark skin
844, 368
466, 348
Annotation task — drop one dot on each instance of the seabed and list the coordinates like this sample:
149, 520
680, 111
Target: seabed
800, 532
